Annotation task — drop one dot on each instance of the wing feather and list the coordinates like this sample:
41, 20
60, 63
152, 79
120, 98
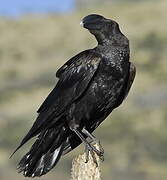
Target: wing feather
75, 76
73, 82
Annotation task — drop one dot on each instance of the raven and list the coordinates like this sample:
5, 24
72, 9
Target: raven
91, 84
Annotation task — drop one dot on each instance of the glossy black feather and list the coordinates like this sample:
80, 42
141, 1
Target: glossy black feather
44, 153
90, 86
73, 81
74, 77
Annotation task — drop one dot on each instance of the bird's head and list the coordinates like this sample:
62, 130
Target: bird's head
103, 29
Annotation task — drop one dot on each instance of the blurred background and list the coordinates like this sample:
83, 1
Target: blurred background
37, 37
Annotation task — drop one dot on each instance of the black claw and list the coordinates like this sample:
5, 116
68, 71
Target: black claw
101, 158
94, 158
86, 154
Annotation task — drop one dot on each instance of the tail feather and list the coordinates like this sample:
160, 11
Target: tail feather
49, 161
44, 154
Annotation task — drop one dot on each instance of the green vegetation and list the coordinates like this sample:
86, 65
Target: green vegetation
134, 136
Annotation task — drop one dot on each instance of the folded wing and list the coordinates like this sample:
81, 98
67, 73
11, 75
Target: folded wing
74, 78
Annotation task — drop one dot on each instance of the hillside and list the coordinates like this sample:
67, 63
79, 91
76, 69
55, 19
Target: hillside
32, 48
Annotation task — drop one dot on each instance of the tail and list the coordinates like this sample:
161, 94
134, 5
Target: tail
44, 153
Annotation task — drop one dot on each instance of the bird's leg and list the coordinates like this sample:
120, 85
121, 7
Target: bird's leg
94, 141
93, 138
88, 134
89, 147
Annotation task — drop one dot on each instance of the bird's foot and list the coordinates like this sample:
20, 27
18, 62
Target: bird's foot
94, 150
98, 144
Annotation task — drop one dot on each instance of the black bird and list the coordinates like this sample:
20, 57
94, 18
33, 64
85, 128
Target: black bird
91, 84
